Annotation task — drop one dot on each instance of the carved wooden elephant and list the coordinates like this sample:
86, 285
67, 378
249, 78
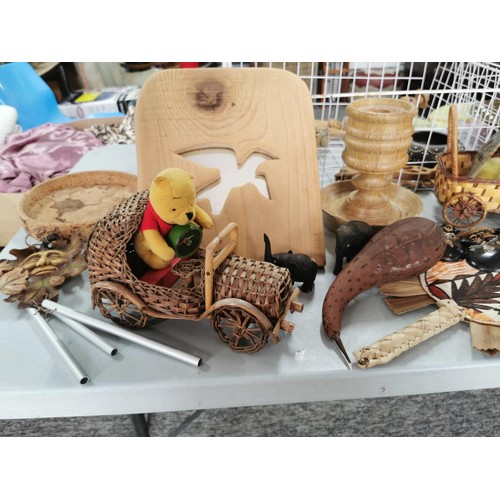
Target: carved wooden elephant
350, 239
302, 267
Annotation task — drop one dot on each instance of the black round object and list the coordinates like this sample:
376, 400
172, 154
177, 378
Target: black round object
426, 146
185, 240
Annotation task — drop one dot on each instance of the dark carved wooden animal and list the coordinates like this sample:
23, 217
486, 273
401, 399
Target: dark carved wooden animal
302, 267
351, 237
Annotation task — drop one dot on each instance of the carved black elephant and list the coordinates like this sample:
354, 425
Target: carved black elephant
302, 267
351, 238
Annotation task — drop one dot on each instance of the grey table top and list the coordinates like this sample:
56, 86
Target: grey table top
304, 366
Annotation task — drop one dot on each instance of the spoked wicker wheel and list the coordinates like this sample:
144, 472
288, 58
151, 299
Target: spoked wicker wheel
119, 304
241, 325
464, 210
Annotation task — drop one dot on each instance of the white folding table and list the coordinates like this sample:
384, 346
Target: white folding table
304, 366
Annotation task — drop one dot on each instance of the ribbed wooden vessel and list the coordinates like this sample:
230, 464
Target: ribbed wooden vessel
378, 134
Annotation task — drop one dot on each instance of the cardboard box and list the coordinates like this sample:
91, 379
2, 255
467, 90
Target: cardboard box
84, 104
10, 222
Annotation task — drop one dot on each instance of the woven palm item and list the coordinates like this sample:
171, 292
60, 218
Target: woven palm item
391, 346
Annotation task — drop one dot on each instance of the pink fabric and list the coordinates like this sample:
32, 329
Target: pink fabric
43, 152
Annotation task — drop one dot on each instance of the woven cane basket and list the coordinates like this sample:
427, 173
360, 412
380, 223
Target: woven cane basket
110, 258
452, 172
264, 285
447, 184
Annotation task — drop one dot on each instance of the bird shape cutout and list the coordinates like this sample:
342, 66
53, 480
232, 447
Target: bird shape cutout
232, 175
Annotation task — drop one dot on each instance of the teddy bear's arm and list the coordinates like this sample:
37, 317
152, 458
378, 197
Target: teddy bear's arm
158, 245
203, 219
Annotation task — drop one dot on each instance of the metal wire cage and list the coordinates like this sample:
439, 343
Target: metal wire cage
433, 86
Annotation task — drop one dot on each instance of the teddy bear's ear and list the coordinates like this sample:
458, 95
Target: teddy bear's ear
161, 182
173, 173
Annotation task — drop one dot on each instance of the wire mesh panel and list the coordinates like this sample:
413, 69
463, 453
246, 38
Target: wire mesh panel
344, 82
474, 87
433, 86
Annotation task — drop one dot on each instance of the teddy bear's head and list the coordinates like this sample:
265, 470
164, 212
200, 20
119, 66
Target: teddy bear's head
172, 195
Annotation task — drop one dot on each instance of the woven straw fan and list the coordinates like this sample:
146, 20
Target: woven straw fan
461, 293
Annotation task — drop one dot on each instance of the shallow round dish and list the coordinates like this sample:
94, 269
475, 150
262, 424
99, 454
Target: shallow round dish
406, 203
73, 203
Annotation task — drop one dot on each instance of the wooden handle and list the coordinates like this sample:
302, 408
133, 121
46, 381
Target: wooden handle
213, 259
391, 346
452, 142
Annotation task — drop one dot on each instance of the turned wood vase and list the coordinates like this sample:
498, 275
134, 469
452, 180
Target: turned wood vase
378, 134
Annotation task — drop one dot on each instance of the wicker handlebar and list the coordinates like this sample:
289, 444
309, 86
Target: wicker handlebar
213, 259
452, 141
391, 346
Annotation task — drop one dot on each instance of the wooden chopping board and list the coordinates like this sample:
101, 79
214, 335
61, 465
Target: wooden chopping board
246, 111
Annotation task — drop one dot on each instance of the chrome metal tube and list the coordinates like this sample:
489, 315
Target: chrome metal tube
64, 354
121, 332
87, 333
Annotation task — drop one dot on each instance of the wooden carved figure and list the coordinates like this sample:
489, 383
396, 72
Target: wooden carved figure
302, 268
400, 250
350, 239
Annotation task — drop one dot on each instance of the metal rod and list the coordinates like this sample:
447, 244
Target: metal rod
64, 354
341, 347
121, 332
88, 334
140, 425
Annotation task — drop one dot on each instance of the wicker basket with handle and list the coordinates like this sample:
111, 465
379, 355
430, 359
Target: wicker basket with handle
466, 201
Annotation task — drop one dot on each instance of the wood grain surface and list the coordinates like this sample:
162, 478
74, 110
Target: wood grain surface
247, 111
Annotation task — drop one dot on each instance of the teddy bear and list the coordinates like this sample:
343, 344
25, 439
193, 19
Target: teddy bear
172, 201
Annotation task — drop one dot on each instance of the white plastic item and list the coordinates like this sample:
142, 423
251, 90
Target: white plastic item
8, 122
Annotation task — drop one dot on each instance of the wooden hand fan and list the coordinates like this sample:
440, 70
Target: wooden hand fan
461, 293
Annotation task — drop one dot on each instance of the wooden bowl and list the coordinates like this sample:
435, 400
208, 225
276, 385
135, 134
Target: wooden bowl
405, 203
73, 203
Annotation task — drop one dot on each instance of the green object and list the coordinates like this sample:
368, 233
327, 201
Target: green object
185, 240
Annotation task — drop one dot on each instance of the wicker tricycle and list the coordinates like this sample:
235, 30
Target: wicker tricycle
466, 201
246, 300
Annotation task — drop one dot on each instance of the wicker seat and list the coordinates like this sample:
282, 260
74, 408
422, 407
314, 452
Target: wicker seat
109, 260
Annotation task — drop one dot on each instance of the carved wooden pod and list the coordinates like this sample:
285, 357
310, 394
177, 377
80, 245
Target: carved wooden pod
403, 249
